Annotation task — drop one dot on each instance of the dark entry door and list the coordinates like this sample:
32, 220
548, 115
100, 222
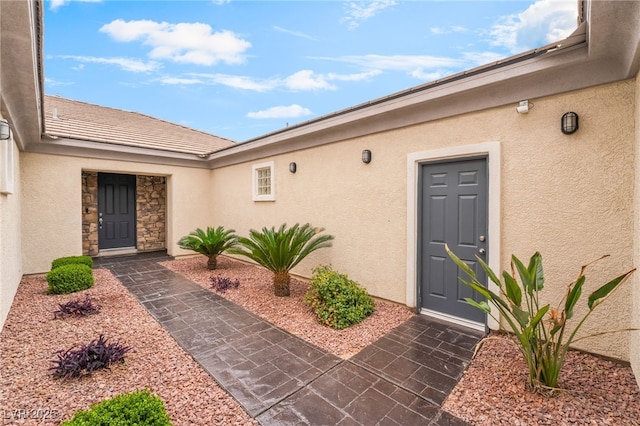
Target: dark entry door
116, 210
453, 210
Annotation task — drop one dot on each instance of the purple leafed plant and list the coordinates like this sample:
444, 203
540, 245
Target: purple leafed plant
88, 358
222, 284
78, 308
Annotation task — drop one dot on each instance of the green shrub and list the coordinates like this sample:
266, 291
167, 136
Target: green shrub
70, 278
136, 408
336, 300
83, 260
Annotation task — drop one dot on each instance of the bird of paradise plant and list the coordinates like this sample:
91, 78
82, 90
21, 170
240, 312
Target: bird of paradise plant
543, 342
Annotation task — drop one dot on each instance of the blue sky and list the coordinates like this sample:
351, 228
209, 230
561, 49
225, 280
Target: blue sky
241, 69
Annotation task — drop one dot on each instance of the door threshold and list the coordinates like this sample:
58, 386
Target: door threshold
478, 326
117, 251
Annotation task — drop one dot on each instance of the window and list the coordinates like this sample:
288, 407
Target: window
263, 182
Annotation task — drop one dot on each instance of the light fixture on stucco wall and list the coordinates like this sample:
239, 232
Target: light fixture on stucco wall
523, 107
293, 167
569, 123
5, 130
366, 156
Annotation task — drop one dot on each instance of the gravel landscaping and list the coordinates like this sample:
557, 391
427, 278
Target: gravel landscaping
594, 392
31, 395
492, 392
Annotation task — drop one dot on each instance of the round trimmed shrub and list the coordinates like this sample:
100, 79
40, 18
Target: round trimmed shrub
136, 408
336, 300
70, 278
83, 260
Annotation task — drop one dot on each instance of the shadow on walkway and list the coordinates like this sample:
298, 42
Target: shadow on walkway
280, 379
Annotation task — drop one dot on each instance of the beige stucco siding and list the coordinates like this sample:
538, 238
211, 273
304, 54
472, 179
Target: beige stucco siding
10, 240
570, 197
635, 309
52, 208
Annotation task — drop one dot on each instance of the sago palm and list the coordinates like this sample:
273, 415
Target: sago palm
281, 250
211, 242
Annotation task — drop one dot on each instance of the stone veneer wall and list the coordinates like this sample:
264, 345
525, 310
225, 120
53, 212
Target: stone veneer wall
90, 213
151, 212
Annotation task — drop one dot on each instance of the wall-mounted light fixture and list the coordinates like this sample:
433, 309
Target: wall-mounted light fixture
5, 130
523, 107
366, 156
293, 167
569, 123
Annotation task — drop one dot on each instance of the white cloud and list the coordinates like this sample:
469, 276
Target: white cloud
193, 43
51, 82
358, 11
398, 62
180, 81
307, 80
423, 67
544, 22
291, 111
448, 30
55, 4
304, 80
125, 64
354, 77
293, 33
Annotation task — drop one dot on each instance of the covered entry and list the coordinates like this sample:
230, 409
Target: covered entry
132, 208
452, 210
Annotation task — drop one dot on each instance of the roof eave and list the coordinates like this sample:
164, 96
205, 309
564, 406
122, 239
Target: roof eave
100, 150
21, 45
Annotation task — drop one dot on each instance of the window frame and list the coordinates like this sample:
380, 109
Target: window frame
255, 184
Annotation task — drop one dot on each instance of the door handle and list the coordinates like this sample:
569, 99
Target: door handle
482, 251
100, 222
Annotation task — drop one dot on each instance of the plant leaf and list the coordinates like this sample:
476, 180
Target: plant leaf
603, 292
521, 315
573, 296
482, 305
513, 292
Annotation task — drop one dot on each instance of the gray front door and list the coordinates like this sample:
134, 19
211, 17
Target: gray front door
116, 210
453, 210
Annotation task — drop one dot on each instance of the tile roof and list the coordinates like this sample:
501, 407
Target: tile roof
66, 118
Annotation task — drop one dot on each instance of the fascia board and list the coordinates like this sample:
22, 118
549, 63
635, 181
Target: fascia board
85, 149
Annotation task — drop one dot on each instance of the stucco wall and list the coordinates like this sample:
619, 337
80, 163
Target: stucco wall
52, 208
635, 336
570, 197
10, 239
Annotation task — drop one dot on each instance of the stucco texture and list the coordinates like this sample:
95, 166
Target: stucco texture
10, 240
568, 196
635, 335
52, 208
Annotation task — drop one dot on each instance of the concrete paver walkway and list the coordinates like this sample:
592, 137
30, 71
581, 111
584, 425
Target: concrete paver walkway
280, 379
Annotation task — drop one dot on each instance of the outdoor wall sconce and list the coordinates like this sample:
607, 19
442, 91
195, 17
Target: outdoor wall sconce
569, 123
5, 130
523, 107
293, 167
366, 156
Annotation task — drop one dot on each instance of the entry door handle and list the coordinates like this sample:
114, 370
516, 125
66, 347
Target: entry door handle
482, 251
100, 222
